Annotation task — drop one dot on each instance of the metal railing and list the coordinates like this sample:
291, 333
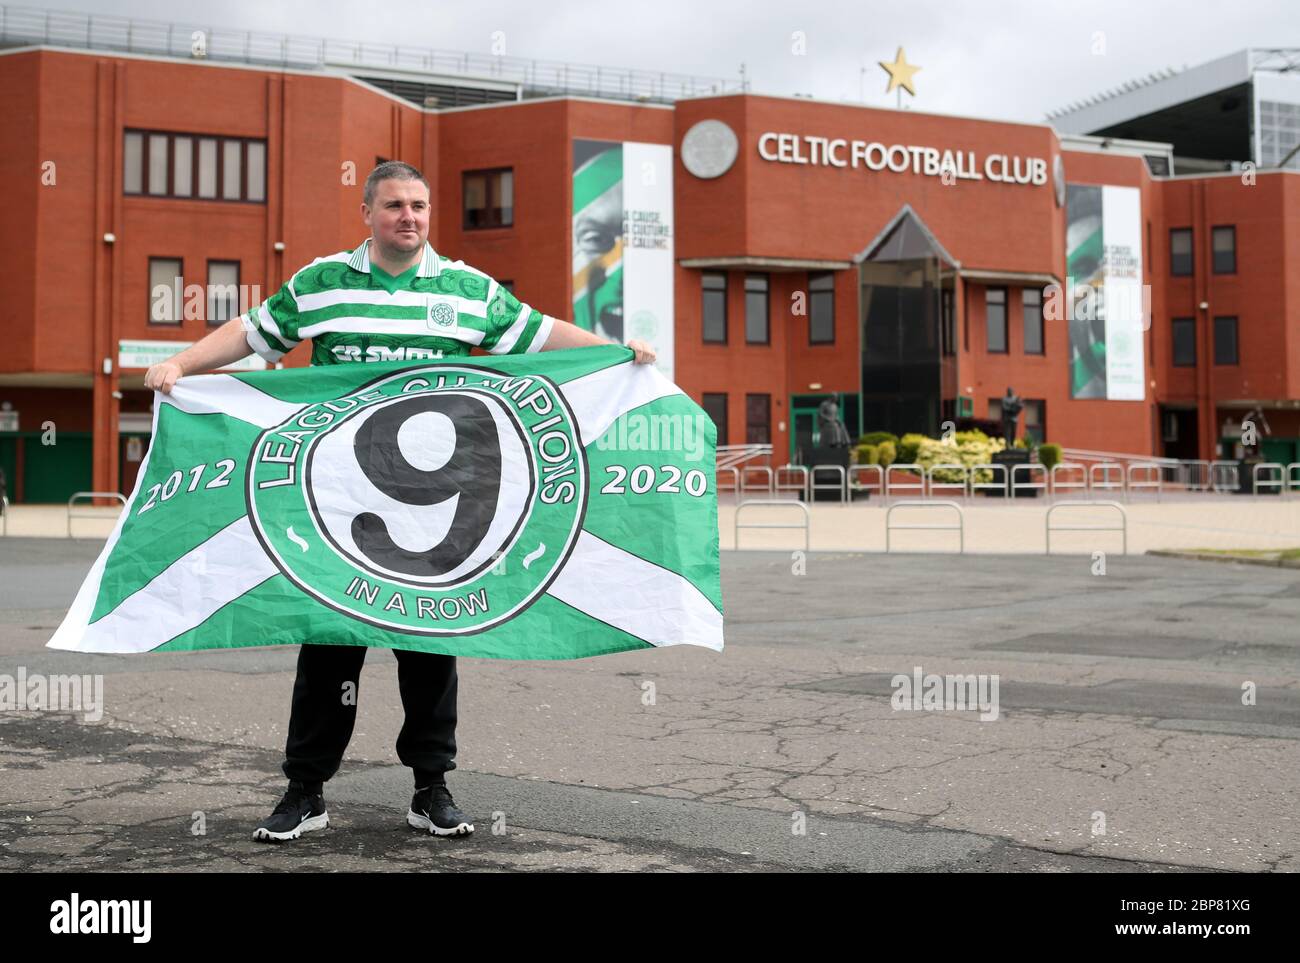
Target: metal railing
1154, 480
1049, 528
959, 528
80, 495
4, 516
25, 26
904, 488
962, 487
989, 485
733, 456
780, 486
780, 502
1273, 468
1107, 476
880, 477
1028, 486
814, 486
735, 481
1081, 484
762, 471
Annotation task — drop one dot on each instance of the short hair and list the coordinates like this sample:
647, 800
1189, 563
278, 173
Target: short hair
389, 170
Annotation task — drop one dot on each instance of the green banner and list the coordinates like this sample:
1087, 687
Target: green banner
539, 506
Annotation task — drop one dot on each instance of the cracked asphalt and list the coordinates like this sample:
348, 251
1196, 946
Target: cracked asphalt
1121, 742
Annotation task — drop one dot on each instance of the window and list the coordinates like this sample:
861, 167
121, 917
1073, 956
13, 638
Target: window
821, 308
1224, 242
1225, 340
995, 314
1180, 252
995, 409
758, 419
223, 291
714, 307
715, 406
1035, 420
756, 309
489, 198
1184, 330
1032, 299
166, 164
165, 287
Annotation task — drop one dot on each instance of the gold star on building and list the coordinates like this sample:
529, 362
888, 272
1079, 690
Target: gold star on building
900, 73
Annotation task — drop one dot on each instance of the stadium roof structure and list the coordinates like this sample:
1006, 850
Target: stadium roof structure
1208, 112
426, 77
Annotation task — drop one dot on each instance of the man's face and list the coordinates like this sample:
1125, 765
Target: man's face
399, 219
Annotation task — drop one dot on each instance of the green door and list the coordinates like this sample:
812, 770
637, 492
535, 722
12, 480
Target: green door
51, 473
1280, 450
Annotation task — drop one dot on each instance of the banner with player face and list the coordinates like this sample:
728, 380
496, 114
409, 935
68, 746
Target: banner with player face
623, 243
1108, 306
533, 506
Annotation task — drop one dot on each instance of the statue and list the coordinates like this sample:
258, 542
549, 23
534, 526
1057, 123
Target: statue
1011, 408
830, 429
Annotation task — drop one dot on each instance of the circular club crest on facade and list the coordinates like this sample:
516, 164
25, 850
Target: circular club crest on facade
709, 149
440, 501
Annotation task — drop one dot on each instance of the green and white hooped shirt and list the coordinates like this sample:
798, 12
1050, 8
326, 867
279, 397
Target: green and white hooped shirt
354, 311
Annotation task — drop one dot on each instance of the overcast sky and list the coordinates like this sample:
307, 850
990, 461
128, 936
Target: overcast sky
1005, 59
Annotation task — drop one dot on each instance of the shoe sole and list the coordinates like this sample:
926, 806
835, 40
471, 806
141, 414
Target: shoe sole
418, 821
263, 835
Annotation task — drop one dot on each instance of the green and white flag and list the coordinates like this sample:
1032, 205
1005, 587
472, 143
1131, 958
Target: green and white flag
532, 506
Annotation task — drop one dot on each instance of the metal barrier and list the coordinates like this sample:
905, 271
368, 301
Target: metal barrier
1019, 486
905, 488
1058, 470
764, 470
1292, 482
880, 477
780, 487
1147, 484
735, 481
1123, 529
959, 528
4, 516
781, 502
1276, 482
989, 485
961, 487
814, 486
1224, 476
1198, 475
76, 495
1103, 476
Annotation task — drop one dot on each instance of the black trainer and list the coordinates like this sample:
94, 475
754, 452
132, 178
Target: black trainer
297, 813
432, 808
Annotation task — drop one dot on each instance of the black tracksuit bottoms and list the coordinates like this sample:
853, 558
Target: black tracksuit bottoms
325, 710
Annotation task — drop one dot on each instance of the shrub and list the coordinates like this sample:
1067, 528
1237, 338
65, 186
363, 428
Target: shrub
876, 437
1049, 454
966, 448
865, 455
907, 448
886, 454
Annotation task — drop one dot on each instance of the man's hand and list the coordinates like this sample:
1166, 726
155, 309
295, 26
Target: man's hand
162, 376
644, 353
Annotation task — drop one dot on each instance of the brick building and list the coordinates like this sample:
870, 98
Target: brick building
901, 262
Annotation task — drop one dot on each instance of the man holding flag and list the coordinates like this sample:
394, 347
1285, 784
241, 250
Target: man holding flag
392, 298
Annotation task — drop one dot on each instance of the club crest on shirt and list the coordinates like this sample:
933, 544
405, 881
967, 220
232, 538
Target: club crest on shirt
441, 314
